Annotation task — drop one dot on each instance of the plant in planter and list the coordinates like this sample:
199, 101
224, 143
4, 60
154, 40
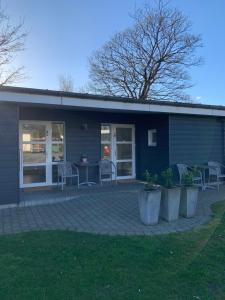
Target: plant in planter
149, 200
151, 181
189, 196
170, 202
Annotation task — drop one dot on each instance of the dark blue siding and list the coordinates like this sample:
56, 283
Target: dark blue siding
195, 139
9, 152
155, 158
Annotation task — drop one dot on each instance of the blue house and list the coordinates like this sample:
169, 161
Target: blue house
40, 128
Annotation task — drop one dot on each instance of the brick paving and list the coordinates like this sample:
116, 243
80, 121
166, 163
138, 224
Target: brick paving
112, 211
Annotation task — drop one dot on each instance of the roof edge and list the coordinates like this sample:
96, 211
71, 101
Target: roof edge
46, 92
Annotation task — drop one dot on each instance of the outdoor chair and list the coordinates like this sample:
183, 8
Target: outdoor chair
215, 171
106, 171
67, 170
184, 169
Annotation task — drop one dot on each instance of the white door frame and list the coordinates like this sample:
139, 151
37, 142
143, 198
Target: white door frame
48, 143
114, 144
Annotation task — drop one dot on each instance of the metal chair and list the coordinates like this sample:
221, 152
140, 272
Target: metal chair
215, 172
106, 170
184, 169
67, 170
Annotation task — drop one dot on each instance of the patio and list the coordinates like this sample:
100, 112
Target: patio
111, 210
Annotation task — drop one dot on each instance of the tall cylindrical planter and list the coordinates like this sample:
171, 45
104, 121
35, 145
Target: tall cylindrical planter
189, 199
170, 203
149, 206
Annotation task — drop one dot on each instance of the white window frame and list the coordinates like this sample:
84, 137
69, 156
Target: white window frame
150, 137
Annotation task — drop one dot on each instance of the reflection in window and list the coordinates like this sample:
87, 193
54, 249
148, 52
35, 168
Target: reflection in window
105, 151
55, 173
105, 133
57, 132
124, 151
34, 133
34, 153
34, 174
106, 141
124, 168
57, 152
124, 134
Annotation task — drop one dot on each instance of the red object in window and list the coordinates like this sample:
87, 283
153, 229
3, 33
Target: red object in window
106, 151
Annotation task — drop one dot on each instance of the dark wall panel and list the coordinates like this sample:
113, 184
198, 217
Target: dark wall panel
9, 154
152, 158
195, 139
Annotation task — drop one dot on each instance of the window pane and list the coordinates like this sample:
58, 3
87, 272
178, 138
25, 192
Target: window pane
124, 151
105, 151
105, 133
54, 173
57, 132
34, 153
57, 152
124, 134
124, 169
34, 133
154, 137
34, 174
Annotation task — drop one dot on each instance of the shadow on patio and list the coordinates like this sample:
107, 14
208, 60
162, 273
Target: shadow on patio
111, 210
51, 195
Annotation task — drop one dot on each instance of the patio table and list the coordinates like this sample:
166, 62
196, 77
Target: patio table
203, 169
87, 165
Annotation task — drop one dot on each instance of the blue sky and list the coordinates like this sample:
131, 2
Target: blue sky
63, 34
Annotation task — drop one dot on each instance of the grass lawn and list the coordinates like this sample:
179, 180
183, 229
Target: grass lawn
68, 265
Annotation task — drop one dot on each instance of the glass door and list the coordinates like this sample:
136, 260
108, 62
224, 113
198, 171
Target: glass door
33, 153
41, 148
124, 151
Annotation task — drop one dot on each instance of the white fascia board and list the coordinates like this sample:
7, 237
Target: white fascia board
186, 110
101, 104
29, 98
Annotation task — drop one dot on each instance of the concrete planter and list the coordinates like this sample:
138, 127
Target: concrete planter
170, 203
149, 206
188, 202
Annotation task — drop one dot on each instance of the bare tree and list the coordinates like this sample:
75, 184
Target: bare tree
66, 83
12, 38
151, 59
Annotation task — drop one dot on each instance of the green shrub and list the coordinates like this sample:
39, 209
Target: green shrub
151, 181
187, 179
167, 178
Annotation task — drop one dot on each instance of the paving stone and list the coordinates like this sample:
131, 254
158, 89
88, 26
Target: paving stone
111, 210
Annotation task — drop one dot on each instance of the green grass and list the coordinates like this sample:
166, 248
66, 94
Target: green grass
67, 265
